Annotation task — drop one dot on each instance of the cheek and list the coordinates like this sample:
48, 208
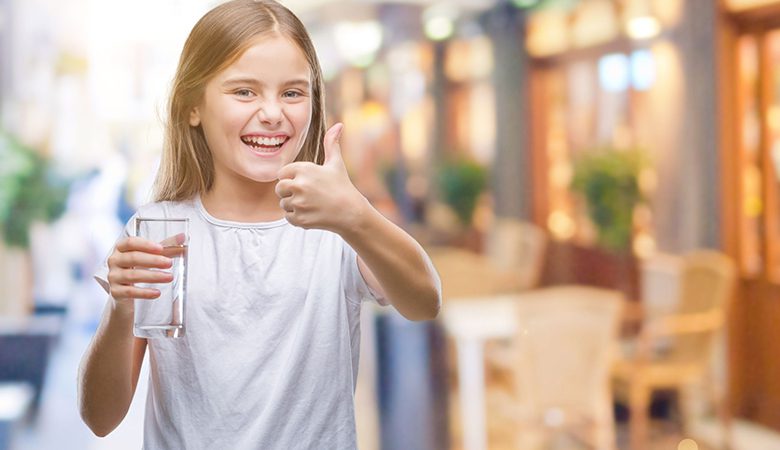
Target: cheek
300, 114
225, 125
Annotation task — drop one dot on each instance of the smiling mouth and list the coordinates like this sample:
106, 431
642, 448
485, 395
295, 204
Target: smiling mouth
264, 144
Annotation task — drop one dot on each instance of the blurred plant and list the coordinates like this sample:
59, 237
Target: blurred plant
460, 183
30, 191
608, 180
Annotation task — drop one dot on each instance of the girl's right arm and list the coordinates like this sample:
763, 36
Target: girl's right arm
111, 365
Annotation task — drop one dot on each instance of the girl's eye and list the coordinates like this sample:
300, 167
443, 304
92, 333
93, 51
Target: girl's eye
243, 93
291, 94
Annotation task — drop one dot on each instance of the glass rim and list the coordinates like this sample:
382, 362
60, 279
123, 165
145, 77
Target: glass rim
158, 219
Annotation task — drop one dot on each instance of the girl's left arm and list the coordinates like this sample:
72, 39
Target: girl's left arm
393, 264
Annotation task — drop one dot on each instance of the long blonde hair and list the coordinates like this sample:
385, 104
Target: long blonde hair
216, 41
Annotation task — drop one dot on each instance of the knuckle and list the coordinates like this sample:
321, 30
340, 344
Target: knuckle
117, 293
130, 276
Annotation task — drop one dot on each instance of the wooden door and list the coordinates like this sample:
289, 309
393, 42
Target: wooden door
752, 190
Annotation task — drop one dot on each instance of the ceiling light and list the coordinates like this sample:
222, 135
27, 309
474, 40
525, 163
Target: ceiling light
643, 27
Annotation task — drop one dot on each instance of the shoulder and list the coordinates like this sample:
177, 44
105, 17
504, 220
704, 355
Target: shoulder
166, 209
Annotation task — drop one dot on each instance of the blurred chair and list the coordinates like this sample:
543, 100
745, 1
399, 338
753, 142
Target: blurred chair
674, 349
512, 263
562, 354
660, 276
517, 247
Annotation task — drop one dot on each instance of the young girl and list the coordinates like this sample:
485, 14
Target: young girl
283, 250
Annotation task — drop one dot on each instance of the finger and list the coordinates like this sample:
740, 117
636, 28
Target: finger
132, 292
132, 276
139, 244
332, 143
286, 205
140, 259
291, 170
284, 188
175, 240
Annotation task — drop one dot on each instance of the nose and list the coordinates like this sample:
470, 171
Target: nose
270, 113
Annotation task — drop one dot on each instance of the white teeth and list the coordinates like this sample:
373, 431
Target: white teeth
266, 141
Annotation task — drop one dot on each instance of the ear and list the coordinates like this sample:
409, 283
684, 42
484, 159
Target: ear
194, 117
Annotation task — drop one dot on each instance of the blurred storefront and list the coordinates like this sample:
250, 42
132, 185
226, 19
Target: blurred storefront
527, 88
750, 131
694, 85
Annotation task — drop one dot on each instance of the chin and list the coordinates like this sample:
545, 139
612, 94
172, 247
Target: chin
264, 178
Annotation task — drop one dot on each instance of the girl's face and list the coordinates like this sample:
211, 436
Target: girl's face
255, 114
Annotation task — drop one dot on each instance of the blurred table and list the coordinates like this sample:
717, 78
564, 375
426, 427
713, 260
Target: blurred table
15, 401
471, 322
25, 346
465, 274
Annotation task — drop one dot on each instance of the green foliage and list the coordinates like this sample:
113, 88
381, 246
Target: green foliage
460, 184
608, 179
29, 191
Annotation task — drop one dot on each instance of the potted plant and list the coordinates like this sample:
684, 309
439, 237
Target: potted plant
608, 181
29, 192
460, 183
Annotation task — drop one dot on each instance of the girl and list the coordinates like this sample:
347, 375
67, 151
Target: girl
283, 251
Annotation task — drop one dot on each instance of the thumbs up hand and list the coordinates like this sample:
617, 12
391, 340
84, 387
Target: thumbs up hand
323, 197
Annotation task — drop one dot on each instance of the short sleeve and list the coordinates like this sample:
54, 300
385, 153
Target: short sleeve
355, 286
101, 273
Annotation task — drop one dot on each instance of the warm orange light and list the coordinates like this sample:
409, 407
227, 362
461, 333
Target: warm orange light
561, 226
687, 444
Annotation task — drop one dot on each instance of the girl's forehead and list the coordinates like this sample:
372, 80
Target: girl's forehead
273, 55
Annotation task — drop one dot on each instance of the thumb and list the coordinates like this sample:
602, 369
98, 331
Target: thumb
332, 144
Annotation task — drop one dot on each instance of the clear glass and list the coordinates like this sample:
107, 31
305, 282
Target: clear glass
164, 316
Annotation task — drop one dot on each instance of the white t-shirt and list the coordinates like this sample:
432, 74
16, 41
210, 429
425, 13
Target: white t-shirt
270, 354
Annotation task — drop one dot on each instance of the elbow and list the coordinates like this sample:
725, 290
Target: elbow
100, 425
98, 429
429, 308
435, 305
101, 432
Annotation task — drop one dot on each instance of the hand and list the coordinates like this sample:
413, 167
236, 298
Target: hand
323, 197
130, 263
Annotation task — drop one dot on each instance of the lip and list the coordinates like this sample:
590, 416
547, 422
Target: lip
266, 135
265, 153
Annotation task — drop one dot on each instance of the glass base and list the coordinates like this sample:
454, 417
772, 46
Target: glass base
158, 331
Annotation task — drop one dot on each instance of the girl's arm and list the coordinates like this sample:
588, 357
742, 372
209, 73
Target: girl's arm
110, 367
109, 371
391, 261
395, 266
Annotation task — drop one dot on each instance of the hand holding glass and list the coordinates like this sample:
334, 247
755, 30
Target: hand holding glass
164, 316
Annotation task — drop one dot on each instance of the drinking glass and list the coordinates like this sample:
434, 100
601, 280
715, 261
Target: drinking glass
163, 317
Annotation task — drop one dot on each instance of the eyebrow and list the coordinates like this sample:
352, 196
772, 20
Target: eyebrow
300, 82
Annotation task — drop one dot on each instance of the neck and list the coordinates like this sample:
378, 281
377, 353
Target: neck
254, 202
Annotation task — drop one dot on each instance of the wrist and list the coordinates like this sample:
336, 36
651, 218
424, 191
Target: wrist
357, 217
122, 308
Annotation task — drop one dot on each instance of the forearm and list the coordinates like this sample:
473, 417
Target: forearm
399, 263
107, 378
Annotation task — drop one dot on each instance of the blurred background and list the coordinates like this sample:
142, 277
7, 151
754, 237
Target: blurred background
596, 181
